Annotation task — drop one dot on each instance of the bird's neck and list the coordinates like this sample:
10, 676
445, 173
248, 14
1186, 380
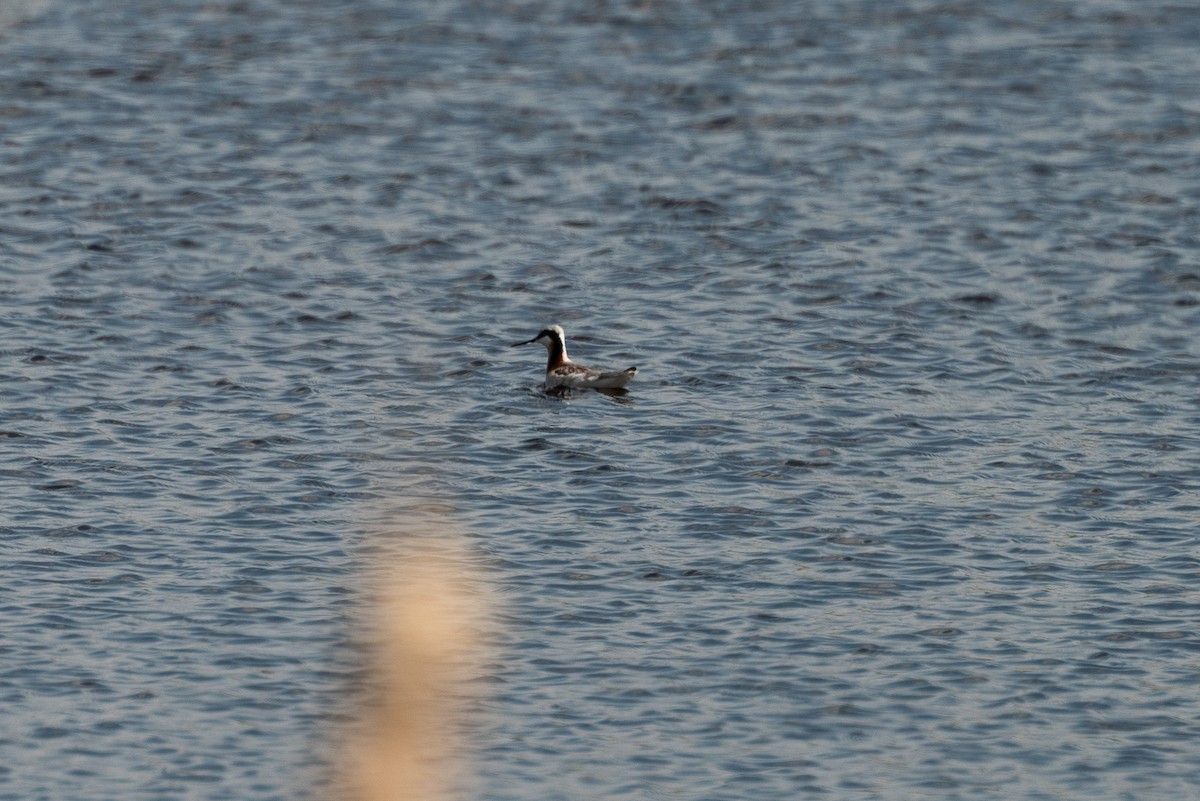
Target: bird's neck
557, 355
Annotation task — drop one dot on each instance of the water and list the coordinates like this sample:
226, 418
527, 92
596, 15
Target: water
902, 504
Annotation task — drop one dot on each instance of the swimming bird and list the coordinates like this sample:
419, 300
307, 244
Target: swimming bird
562, 372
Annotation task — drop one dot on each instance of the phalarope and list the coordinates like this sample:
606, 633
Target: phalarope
562, 372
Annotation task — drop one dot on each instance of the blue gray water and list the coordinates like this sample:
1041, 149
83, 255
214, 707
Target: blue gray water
902, 505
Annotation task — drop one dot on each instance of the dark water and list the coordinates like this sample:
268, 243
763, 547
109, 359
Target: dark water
903, 504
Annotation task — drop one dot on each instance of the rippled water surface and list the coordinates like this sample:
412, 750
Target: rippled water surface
902, 505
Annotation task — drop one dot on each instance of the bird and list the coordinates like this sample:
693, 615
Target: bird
561, 372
